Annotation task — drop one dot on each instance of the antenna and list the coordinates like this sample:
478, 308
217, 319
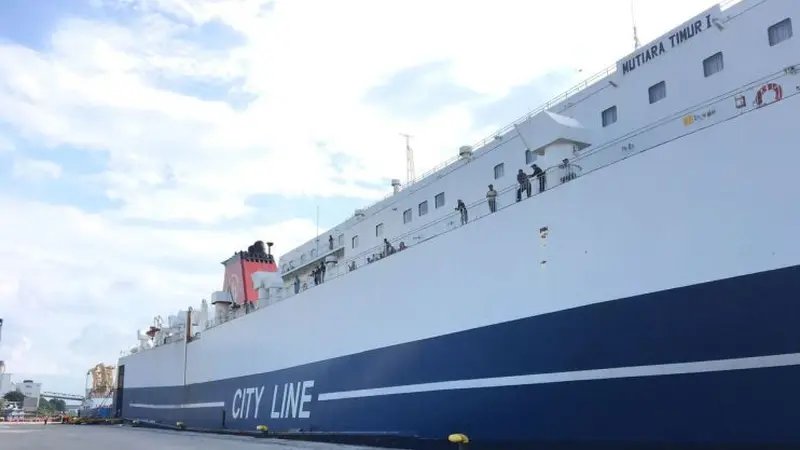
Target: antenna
635, 35
409, 160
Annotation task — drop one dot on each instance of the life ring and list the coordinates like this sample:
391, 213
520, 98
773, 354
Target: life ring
769, 87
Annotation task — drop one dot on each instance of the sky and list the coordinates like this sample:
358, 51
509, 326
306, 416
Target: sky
144, 141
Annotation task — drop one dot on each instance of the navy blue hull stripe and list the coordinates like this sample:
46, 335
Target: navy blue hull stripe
728, 407
180, 406
520, 380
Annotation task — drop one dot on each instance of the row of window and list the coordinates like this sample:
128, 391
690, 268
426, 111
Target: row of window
776, 34
422, 209
715, 63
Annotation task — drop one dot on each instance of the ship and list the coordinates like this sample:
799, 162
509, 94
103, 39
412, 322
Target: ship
637, 286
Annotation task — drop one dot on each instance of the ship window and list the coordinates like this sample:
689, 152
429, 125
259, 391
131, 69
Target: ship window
657, 92
713, 64
780, 32
379, 230
529, 157
609, 116
341, 240
438, 201
423, 208
499, 170
407, 215
302, 258
354, 242
313, 252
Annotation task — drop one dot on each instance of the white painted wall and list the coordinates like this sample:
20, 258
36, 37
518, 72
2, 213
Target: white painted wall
158, 366
747, 57
631, 228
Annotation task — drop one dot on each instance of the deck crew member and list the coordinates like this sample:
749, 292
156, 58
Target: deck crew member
540, 175
462, 208
330, 242
524, 184
491, 197
388, 247
568, 169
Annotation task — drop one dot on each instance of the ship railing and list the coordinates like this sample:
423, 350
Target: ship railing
596, 157
479, 209
725, 4
592, 158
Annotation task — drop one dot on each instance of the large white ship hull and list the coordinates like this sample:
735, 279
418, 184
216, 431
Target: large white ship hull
658, 307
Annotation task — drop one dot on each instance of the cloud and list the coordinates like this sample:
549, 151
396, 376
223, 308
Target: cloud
35, 169
6, 146
420, 91
148, 139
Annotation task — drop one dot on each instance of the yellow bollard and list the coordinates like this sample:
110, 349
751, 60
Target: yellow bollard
263, 429
458, 438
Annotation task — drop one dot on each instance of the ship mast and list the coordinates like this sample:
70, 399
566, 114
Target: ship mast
410, 175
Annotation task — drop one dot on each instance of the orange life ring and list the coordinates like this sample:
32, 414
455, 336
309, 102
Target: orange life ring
769, 87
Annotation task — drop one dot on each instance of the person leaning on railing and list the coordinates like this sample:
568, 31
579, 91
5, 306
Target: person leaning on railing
462, 208
540, 175
524, 184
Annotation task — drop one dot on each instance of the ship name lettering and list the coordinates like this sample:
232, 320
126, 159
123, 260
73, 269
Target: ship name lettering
246, 402
290, 399
673, 40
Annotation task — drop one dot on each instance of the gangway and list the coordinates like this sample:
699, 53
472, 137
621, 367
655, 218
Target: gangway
62, 396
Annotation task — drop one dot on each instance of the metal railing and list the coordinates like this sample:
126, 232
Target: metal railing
592, 158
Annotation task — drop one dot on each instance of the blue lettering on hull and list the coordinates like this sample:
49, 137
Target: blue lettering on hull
714, 362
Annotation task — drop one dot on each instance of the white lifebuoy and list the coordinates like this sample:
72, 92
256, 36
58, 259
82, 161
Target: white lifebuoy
775, 87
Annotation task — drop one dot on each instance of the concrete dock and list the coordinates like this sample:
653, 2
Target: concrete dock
117, 437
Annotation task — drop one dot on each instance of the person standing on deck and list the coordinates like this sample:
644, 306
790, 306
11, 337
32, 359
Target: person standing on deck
462, 208
540, 175
524, 184
491, 197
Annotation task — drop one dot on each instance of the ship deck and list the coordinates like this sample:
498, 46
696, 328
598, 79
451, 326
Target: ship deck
70, 437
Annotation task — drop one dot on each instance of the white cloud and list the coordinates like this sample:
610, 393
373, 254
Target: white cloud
69, 277
308, 65
35, 169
